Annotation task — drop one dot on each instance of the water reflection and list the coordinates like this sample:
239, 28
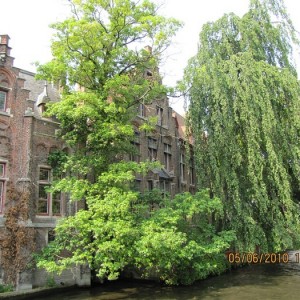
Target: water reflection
252, 282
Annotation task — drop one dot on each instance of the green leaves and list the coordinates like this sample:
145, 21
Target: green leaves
105, 71
102, 40
174, 242
244, 114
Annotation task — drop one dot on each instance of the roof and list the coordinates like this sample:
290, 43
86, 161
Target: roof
180, 124
182, 128
36, 87
43, 98
162, 173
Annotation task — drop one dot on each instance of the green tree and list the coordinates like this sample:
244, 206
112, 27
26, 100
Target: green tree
104, 72
175, 241
244, 114
101, 49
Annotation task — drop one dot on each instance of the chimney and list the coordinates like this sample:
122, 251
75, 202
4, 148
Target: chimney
4, 38
4, 48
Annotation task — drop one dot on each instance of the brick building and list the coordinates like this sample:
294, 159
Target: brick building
27, 138
167, 144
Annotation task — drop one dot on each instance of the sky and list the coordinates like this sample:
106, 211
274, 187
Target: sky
27, 24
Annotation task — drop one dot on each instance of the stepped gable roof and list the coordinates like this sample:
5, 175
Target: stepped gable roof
180, 124
37, 87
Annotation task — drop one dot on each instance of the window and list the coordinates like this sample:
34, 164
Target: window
48, 203
159, 113
137, 185
135, 156
42, 108
152, 143
44, 175
43, 199
192, 171
51, 235
152, 149
152, 154
2, 185
3, 96
167, 156
150, 185
56, 201
142, 110
2, 169
164, 186
182, 167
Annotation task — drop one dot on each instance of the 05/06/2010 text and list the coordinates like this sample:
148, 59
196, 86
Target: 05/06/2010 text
262, 258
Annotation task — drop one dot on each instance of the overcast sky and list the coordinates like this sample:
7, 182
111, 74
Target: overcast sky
26, 22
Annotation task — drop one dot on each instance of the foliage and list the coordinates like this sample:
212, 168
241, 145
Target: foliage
101, 64
51, 281
57, 160
179, 241
100, 50
175, 241
244, 115
17, 240
4, 288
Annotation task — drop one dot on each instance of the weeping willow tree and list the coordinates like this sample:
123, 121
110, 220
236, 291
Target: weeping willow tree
244, 113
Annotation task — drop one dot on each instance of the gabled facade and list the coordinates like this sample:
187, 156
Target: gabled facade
166, 144
28, 214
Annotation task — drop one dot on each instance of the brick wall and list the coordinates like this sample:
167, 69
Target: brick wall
170, 142
26, 139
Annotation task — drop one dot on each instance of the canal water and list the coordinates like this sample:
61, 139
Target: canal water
268, 281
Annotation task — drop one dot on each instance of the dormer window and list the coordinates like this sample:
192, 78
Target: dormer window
43, 99
42, 108
3, 97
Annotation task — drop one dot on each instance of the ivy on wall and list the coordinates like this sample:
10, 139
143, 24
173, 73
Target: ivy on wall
17, 241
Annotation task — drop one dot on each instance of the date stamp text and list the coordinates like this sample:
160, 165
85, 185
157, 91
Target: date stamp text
262, 258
